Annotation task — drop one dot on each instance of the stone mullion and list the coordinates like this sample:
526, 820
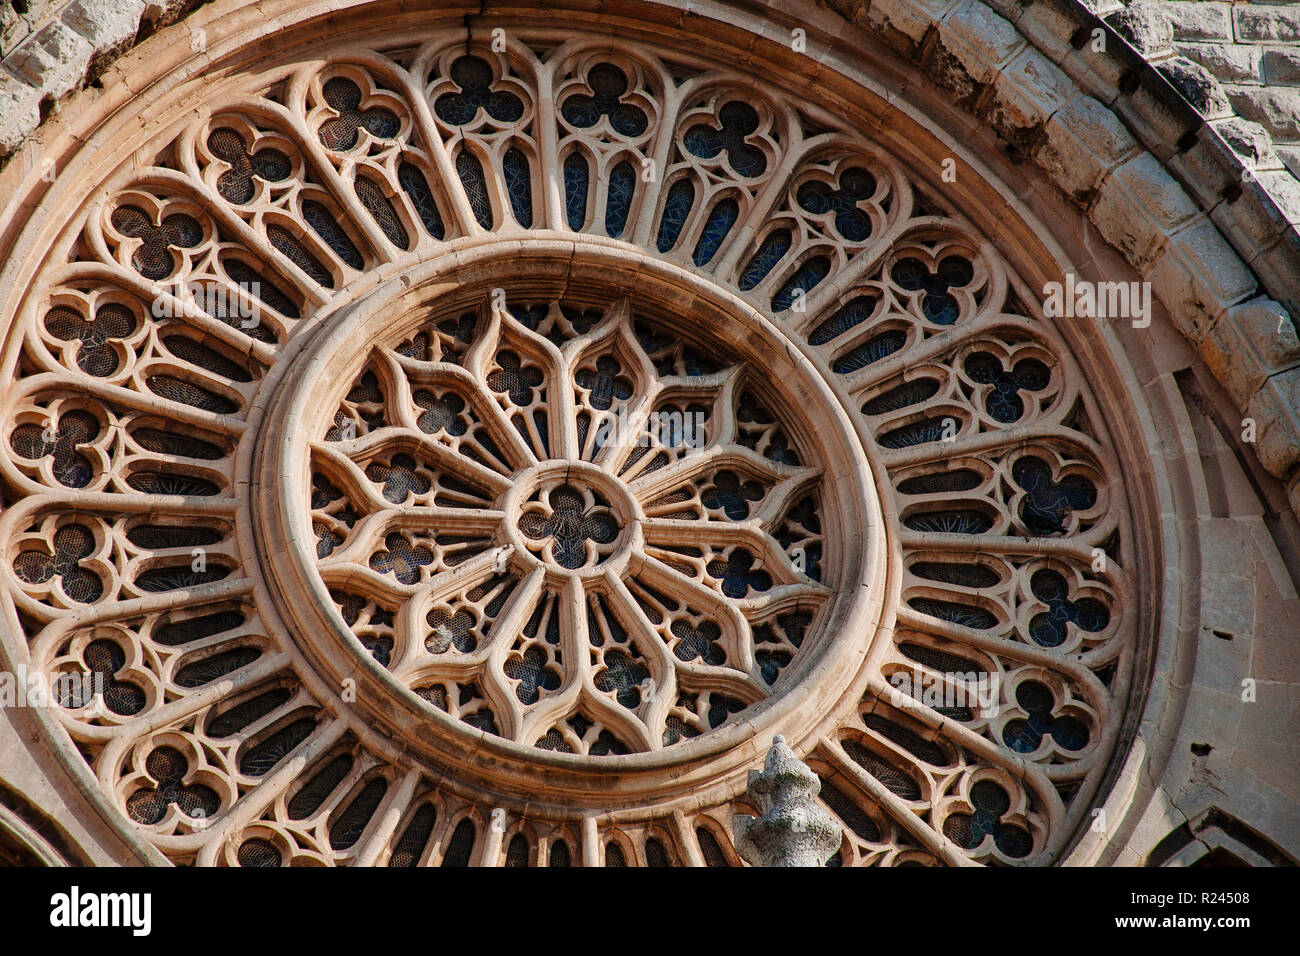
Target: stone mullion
442, 587
1040, 777
429, 142
389, 815
250, 807
735, 629
901, 812
645, 638
988, 442
508, 625
762, 208
842, 282
482, 403
119, 739
328, 176
660, 155
53, 635
656, 483
552, 707
626, 724
547, 139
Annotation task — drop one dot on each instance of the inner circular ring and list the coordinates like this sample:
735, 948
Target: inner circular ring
572, 517
691, 308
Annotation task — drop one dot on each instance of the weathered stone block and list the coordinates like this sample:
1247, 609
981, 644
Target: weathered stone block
1278, 267
54, 60
1282, 67
1097, 73
979, 39
1026, 94
1200, 21
1144, 25
1230, 62
1083, 141
1277, 110
1275, 408
1132, 236
20, 112
1160, 199
1229, 356
13, 28
1048, 26
1257, 24
1208, 169
105, 23
1284, 190
1290, 156
1156, 122
905, 22
1271, 331
1198, 86
1248, 140
1248, 343
1197, 275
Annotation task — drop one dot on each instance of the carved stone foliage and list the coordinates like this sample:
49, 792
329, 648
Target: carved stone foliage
447, 456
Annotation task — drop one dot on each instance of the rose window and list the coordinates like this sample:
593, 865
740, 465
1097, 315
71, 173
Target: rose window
444, 455
590, 530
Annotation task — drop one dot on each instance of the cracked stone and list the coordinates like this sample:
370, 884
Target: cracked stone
1197, 86
1144, 25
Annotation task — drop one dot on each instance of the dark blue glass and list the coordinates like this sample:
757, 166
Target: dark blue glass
1050, 628
850, 221
806, 279
470, 171
853, 314
772, 251
737, 121
677, 207
519, 184
474, 77
622, 187
938, 306
417, 189
1048, 504
576, 177
1025, 735
608, 85
722, 217
873, 350
1004, 402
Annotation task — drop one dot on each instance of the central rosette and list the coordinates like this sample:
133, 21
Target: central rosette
568, 518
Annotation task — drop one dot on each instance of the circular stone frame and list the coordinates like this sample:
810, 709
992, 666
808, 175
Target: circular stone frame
827, 679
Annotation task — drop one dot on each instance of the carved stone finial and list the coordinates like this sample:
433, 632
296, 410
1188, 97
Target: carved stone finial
794, 830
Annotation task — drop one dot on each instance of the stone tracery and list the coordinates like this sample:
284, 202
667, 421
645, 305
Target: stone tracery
987, 448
